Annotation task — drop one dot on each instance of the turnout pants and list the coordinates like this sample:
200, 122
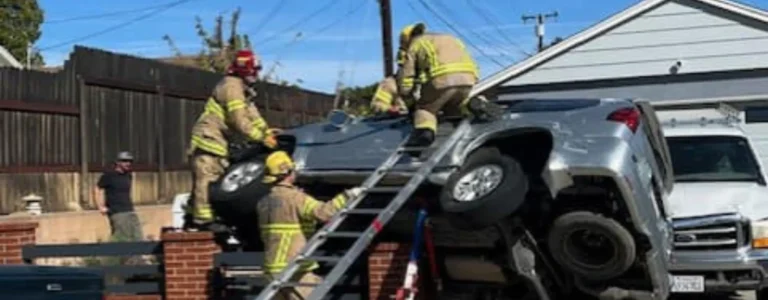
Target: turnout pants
206, 168
452, 101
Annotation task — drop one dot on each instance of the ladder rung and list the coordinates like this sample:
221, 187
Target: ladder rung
344, 234
331, 259
364, 211
299, 284
384, 189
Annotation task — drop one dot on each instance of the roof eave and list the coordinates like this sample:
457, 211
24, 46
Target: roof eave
597, 29
8, 57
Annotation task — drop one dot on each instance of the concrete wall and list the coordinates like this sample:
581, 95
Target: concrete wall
703, 38
91, 226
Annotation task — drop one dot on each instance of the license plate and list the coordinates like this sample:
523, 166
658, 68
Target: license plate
687, 284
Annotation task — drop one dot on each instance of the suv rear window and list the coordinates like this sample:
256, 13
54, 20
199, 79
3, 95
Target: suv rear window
712, 158
544, 105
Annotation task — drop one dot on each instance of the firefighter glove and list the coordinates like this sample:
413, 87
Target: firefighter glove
270, 141
353, 192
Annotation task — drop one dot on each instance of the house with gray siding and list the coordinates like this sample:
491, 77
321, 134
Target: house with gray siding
675, 53
7, 60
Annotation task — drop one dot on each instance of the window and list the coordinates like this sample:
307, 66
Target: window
756, 115
713, 158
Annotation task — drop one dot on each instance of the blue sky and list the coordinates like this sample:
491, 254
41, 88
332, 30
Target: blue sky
352, 43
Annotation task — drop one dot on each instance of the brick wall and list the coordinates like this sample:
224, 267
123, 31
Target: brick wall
14, 235
386, 269
188, 264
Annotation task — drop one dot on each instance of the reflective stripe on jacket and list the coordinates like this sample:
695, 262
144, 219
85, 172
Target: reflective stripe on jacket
442, 58
287, 219
226, 117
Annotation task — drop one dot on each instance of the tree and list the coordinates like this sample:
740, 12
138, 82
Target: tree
217, 52
20, 26
358, 98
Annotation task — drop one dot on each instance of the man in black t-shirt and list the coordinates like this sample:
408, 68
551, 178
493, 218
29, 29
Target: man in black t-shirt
115, 186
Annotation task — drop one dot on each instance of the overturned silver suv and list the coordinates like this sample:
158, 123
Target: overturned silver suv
582, 182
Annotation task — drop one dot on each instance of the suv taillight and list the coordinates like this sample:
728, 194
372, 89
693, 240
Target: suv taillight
630, 116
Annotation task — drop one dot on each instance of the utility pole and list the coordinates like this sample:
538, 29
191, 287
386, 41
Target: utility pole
29, 54
540, 18
386, 35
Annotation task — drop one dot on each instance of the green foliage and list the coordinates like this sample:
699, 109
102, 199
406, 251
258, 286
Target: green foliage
358, 99
217, 52
19, 25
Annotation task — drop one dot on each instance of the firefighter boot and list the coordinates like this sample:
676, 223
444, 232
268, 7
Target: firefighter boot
421, 137
485, 110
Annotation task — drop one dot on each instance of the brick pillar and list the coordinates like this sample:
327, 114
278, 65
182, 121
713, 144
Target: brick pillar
14, 235
188, 264
386, 269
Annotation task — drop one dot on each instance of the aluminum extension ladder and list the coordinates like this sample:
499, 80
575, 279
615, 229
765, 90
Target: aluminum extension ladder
364, 237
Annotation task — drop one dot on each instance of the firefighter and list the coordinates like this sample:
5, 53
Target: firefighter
287, 218
386, 99
228, 117
447, 72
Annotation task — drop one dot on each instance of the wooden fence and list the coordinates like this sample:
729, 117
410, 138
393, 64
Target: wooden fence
59, 130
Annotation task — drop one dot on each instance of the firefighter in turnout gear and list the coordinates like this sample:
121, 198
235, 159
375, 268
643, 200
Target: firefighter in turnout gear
288, 218
446, 73
228, 117
386, 99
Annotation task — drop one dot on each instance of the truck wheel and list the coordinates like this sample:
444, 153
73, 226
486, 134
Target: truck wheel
591, 246
234, 197
488, 187
241, 182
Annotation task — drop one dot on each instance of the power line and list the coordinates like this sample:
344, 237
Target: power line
270, 15
459, 33
115, 27
302, 36
299, 22
298, 37
106, 14
423, 17
477, 34
491, 19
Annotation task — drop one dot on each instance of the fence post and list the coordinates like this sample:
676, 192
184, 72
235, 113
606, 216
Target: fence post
14, 235
159, 114
84, 142
188, 262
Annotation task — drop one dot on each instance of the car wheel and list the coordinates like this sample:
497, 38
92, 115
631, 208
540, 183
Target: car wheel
488, 187
591, 246
234, 197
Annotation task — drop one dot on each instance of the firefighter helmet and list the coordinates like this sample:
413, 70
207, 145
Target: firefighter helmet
278, 164
411, 31
246, 63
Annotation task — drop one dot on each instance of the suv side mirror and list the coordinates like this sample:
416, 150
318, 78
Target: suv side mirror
338, 118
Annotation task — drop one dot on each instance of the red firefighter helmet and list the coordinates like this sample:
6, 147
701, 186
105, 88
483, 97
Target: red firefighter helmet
245, 64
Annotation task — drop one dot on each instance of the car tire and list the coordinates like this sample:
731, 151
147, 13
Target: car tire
237, 207
506, 196
567, 235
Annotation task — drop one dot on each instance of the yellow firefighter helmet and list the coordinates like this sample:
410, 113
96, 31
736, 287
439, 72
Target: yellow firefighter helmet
278, 164
409, 32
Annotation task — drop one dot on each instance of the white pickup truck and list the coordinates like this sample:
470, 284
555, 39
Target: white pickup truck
719, 206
